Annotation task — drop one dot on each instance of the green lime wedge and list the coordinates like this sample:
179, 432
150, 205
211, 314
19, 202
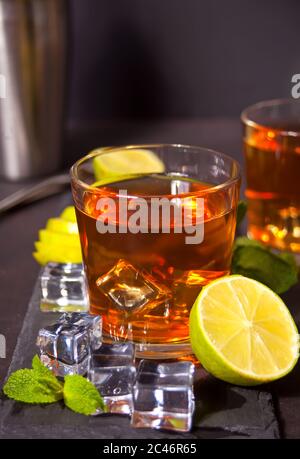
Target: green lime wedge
126, 162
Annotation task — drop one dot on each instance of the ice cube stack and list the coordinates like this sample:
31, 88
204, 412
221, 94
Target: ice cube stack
157, 395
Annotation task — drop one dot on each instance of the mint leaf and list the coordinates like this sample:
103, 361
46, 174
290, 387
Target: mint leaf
81, 395
241, 211
39, 368
30, 386
290, 259
40, 385
245, 241
252, 259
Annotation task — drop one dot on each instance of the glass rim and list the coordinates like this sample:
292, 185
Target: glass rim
246, 118
110, 149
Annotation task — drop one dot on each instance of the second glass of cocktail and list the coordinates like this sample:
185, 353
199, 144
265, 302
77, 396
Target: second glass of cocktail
156, 223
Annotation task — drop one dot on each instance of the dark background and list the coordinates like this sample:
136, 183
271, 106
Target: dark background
179, 58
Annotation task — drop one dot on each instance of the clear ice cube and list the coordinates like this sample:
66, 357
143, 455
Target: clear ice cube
130, 289
112, 371
65, 346
62, 287
163, 396
90, 322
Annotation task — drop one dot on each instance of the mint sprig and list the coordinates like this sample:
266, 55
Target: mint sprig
28, 386
40, 385
253, 259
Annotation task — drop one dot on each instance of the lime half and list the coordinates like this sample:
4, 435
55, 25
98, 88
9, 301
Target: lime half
242, 332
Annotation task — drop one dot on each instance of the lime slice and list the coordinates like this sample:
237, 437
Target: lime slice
61, 226
126, 162
63, 239
242, 332
69, 214
56, 253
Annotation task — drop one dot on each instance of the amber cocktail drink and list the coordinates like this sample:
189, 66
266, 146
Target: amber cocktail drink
272, 153
143, 280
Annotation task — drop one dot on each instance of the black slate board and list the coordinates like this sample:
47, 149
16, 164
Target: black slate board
222, 410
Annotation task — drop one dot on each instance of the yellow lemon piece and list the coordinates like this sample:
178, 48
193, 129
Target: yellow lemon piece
56, 253
40, 258
61, 226
62, 239
69, 214
242, 332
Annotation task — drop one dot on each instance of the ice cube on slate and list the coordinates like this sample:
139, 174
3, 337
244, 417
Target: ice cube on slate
130, 289
65, 346
163, 395
92, 323
112, 371
62, 287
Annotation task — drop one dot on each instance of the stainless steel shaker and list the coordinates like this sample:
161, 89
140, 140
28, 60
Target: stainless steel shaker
33, 48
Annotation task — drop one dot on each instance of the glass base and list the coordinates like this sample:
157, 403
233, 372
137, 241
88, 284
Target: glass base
158, 351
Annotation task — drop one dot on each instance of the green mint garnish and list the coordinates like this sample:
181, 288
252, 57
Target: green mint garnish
290, 259
241, 212
40, 385
81, 395
253, 259
30, 386
243, 241
40, 368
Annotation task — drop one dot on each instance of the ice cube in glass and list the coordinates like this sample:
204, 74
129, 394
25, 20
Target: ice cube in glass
130, 289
